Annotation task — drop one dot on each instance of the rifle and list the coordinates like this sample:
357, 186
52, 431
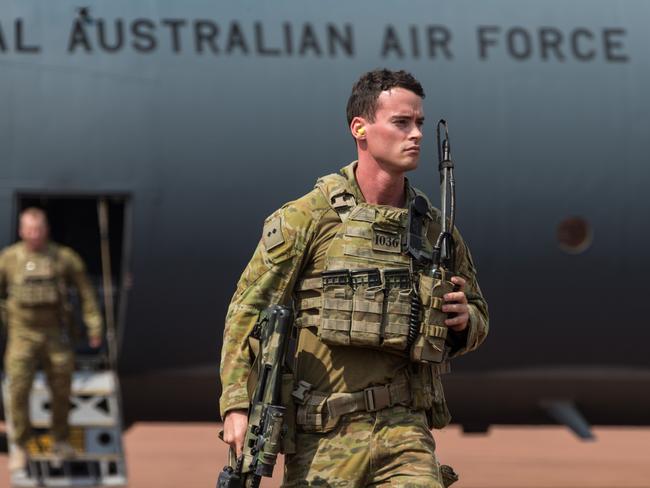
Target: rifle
265, 415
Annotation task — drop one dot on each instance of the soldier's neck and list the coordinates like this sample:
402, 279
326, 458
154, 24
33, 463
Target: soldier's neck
35, 248
378, 186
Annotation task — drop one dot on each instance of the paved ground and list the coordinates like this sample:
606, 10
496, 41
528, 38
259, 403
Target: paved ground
190, 455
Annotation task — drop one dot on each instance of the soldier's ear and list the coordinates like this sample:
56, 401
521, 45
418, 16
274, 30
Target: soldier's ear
358, 128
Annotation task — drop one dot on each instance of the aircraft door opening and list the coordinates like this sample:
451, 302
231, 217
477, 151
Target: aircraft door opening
97, 228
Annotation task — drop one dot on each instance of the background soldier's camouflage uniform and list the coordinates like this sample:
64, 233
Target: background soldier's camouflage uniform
293, 247
42, 333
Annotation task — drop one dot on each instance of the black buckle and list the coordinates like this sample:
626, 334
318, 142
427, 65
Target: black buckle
397, 278
367, 276
335, 277
299, 395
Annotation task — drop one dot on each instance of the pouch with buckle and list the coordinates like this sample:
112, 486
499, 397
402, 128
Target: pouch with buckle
429, 347
397, 283
367, 307
336, 314
312, 414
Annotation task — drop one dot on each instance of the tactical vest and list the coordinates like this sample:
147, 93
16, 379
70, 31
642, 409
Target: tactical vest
372, 294
36, 282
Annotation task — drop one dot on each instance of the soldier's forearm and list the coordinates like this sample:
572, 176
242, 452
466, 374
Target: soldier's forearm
235, 355
90, 310
474, 335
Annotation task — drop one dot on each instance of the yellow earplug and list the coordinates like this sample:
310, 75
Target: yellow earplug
361, 132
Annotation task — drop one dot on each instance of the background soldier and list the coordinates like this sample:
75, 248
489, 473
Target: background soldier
35, 276
364, 406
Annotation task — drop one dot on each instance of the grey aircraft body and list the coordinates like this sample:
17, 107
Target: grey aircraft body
197, 119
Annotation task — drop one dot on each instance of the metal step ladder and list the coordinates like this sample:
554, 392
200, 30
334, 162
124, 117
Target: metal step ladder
95, 434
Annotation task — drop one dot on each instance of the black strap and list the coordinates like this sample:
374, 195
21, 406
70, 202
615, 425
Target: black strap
415, 237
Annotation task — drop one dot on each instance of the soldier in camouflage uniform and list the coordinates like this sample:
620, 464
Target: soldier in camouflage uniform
363, 406
35, 275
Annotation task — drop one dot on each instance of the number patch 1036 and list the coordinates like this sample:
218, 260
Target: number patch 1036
387, 242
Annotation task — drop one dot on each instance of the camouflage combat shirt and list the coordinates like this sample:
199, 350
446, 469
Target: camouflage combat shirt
278, 264
70, 268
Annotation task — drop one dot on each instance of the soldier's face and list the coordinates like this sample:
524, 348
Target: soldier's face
33, 231
394, 136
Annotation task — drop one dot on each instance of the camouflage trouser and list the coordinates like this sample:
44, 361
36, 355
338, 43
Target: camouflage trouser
25, 349
392, 447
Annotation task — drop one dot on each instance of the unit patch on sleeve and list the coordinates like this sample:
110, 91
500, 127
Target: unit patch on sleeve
272, 235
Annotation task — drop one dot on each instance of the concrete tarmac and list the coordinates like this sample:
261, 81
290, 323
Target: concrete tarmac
163, 455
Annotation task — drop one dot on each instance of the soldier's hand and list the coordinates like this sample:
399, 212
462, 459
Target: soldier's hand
95, 342
456, 302
234, 429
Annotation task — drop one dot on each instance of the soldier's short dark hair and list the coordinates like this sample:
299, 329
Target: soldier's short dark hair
365, 92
